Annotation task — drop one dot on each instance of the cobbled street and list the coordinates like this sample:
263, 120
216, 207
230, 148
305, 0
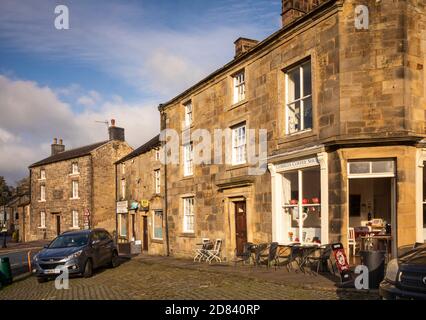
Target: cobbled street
146, 280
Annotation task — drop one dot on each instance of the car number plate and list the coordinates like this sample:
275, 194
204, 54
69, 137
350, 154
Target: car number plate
52, 271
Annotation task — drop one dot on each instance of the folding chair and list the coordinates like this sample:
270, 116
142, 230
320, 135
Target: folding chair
268, 255
200, 252
214, 254
246, 255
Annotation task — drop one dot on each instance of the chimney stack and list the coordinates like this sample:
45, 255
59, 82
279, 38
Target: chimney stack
243, 45
115, 133
294, 9
57, 147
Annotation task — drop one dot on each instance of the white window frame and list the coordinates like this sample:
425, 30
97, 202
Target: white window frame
301, 99
157, 181
74, 189
188, 159
370, 173
123, 168
120, 224
239, 80
188, 215
123, 188
42, 192
74, 168
75, 219
42, 220
153, 224
239, 144
189, 115
42, 174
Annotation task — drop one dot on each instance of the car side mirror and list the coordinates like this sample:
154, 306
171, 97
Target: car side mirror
94, 242
46, 246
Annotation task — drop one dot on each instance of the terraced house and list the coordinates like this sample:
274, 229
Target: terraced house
140, 200
340, 90
75, 189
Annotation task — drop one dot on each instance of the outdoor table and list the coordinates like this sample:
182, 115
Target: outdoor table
387, 239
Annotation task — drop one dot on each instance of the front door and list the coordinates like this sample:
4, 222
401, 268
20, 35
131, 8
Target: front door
58, 224
240, 226
145, 233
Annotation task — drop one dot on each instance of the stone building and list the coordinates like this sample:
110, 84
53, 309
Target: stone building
340, 91
15, 213
75, 189
140, 199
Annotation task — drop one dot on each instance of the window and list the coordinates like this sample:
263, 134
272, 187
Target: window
42, 192
299, 98
42, 174
239, 145
302, 205
188, 114
74, 189
188, 215
158, 154
123, 168
188, 156
74, 219
239, 87
378, 168
74, 168
158, 225
42, 219
123, 188
123, 225
157, 181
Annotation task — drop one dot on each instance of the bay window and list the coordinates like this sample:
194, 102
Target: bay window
302, 205
298, 82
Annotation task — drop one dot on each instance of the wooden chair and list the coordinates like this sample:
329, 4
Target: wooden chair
352, 240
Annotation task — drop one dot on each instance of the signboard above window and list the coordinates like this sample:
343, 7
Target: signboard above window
378, 168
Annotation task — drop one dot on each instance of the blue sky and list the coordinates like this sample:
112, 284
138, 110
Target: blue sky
119, 59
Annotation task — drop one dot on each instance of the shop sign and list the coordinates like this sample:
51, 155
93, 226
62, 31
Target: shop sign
341, 261
145, 205
122, 207
293, 165
134, 205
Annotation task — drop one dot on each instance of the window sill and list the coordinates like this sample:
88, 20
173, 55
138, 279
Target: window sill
41, 201
237, 104
190, 177
296, 136
160, 241
41, 228
187, 235
74, 198
238, 166
41, 180
74, 174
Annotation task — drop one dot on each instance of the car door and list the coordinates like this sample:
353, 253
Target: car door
107, 245
96, 248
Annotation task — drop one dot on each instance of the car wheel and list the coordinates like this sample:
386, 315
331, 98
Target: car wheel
41, 280
114, 259
88, 269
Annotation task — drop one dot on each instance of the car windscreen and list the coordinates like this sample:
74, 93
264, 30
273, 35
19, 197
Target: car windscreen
70, 240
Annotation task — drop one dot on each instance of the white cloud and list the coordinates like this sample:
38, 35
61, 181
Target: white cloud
31, 116
91, 99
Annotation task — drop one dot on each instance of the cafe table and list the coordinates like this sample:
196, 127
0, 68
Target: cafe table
387, 239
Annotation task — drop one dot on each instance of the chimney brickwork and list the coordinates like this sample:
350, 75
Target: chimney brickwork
294, 9
57, 147
116, 133
243, 45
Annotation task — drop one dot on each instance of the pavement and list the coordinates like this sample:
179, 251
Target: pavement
166, 278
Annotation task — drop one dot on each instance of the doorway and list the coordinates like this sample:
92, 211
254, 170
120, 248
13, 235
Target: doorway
145, 233
240, 226
58, 224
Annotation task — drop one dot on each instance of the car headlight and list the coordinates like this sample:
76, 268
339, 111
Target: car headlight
35, 258
392, 270
74, 255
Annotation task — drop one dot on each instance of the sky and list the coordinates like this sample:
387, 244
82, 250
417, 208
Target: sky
118, 60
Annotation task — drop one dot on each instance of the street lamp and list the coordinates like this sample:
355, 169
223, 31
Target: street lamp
4, 230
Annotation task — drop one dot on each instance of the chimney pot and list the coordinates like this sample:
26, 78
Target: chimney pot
116, 133
60, 141
112, 122
55, 141
57, 148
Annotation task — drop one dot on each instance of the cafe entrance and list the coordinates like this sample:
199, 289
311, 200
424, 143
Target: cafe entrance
372, 206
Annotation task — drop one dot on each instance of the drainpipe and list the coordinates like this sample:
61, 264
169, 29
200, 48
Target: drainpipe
163, 145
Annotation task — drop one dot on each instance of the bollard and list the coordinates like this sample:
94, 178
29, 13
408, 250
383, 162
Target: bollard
29, 261
5, 271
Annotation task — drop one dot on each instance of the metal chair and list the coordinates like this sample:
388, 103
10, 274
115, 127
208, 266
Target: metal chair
214, 254
200, 252
321, 256
267, 254
246, 256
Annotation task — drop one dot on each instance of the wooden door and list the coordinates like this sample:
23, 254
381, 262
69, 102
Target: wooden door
240, 226
145, 234
58, 224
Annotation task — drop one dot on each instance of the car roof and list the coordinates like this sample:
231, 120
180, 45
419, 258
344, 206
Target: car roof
83, 231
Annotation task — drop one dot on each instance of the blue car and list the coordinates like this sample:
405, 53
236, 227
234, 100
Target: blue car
80, 252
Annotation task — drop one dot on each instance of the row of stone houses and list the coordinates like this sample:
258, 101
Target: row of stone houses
342, 105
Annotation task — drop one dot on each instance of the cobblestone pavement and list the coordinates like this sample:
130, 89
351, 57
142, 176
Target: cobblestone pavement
137, 279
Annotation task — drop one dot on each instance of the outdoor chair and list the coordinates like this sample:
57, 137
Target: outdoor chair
321, 256
268, 255
245, 256
214, 254
286, 257
200, 253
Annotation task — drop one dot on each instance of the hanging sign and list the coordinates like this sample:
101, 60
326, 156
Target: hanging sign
341, 261
122, 207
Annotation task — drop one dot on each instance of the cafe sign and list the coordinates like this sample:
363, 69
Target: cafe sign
298, 164
122, 207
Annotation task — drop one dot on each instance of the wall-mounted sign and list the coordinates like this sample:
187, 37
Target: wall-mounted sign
145, 205
122, 207
298, 164
134, 205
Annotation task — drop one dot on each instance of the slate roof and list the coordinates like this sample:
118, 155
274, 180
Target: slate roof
69, 154
154, 142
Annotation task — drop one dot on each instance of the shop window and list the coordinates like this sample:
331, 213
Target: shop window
302, 205
355, 205
158, 225
123, 225
299, 98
